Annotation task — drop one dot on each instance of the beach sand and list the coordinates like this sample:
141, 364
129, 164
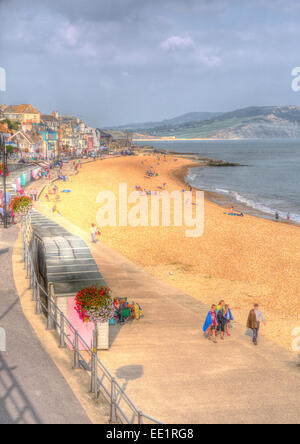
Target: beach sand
241, 260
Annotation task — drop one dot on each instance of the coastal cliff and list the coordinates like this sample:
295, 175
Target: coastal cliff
246, 123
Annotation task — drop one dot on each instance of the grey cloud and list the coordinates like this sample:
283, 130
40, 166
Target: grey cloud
113, 61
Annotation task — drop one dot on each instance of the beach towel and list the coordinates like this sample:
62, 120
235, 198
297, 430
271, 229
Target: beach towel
208, 322
229, 316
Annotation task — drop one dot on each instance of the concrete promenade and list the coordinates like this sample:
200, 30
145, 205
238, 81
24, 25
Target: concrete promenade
171, 372
32, 390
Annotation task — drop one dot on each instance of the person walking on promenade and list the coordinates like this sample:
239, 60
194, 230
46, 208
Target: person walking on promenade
210, 324
221, 313
254, 319
220, 306
94, 231
35, 194
228, 318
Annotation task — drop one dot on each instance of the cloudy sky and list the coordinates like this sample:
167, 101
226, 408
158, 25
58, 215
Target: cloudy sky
118, 61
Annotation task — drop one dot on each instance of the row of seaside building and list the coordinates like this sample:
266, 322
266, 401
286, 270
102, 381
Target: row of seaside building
34, 135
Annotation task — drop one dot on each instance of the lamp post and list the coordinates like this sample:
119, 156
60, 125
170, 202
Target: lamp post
4, 154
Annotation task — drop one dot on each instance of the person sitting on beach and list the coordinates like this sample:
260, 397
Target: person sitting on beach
235, 214
210, 324
55, 210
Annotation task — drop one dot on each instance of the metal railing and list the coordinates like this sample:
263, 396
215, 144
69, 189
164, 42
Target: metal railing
102, 383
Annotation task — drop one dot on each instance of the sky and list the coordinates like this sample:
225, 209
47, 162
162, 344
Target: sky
113, 62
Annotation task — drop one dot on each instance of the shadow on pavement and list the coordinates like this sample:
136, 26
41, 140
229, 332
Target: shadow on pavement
2, 316
15, 407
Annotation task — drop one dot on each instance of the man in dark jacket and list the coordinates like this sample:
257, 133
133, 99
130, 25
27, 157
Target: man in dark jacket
254, 319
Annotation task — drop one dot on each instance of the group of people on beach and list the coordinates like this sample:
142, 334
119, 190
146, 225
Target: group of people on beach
277, 216
34, 194
95, 231
218, 321
220, 316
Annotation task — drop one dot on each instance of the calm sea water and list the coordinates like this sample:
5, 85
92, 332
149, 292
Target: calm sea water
270, 182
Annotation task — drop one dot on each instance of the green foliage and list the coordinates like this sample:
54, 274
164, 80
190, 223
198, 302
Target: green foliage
12, 125
10, 149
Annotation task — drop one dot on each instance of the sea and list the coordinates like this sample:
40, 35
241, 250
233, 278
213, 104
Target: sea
268, 180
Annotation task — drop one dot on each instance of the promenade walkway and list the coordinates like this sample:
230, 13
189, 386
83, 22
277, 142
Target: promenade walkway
173, 373
32, 390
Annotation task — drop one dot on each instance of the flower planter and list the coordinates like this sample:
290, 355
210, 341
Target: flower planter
95, 305
21, 205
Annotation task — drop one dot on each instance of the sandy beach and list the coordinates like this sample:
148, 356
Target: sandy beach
242, 260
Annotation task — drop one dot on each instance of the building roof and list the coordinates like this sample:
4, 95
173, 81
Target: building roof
21, 109
49, 118
31, 136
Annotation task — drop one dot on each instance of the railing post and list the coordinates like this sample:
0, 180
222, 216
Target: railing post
76, 352
94, 373
25, 254
23, 245
50, 325
38, 308
62, 342
140, 417
113, 407
34, 289
55, 316
31, 276
28, 266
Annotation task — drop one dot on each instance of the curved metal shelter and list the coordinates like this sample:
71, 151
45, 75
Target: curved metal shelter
61, 259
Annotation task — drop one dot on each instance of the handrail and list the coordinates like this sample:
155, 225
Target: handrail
57, 320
